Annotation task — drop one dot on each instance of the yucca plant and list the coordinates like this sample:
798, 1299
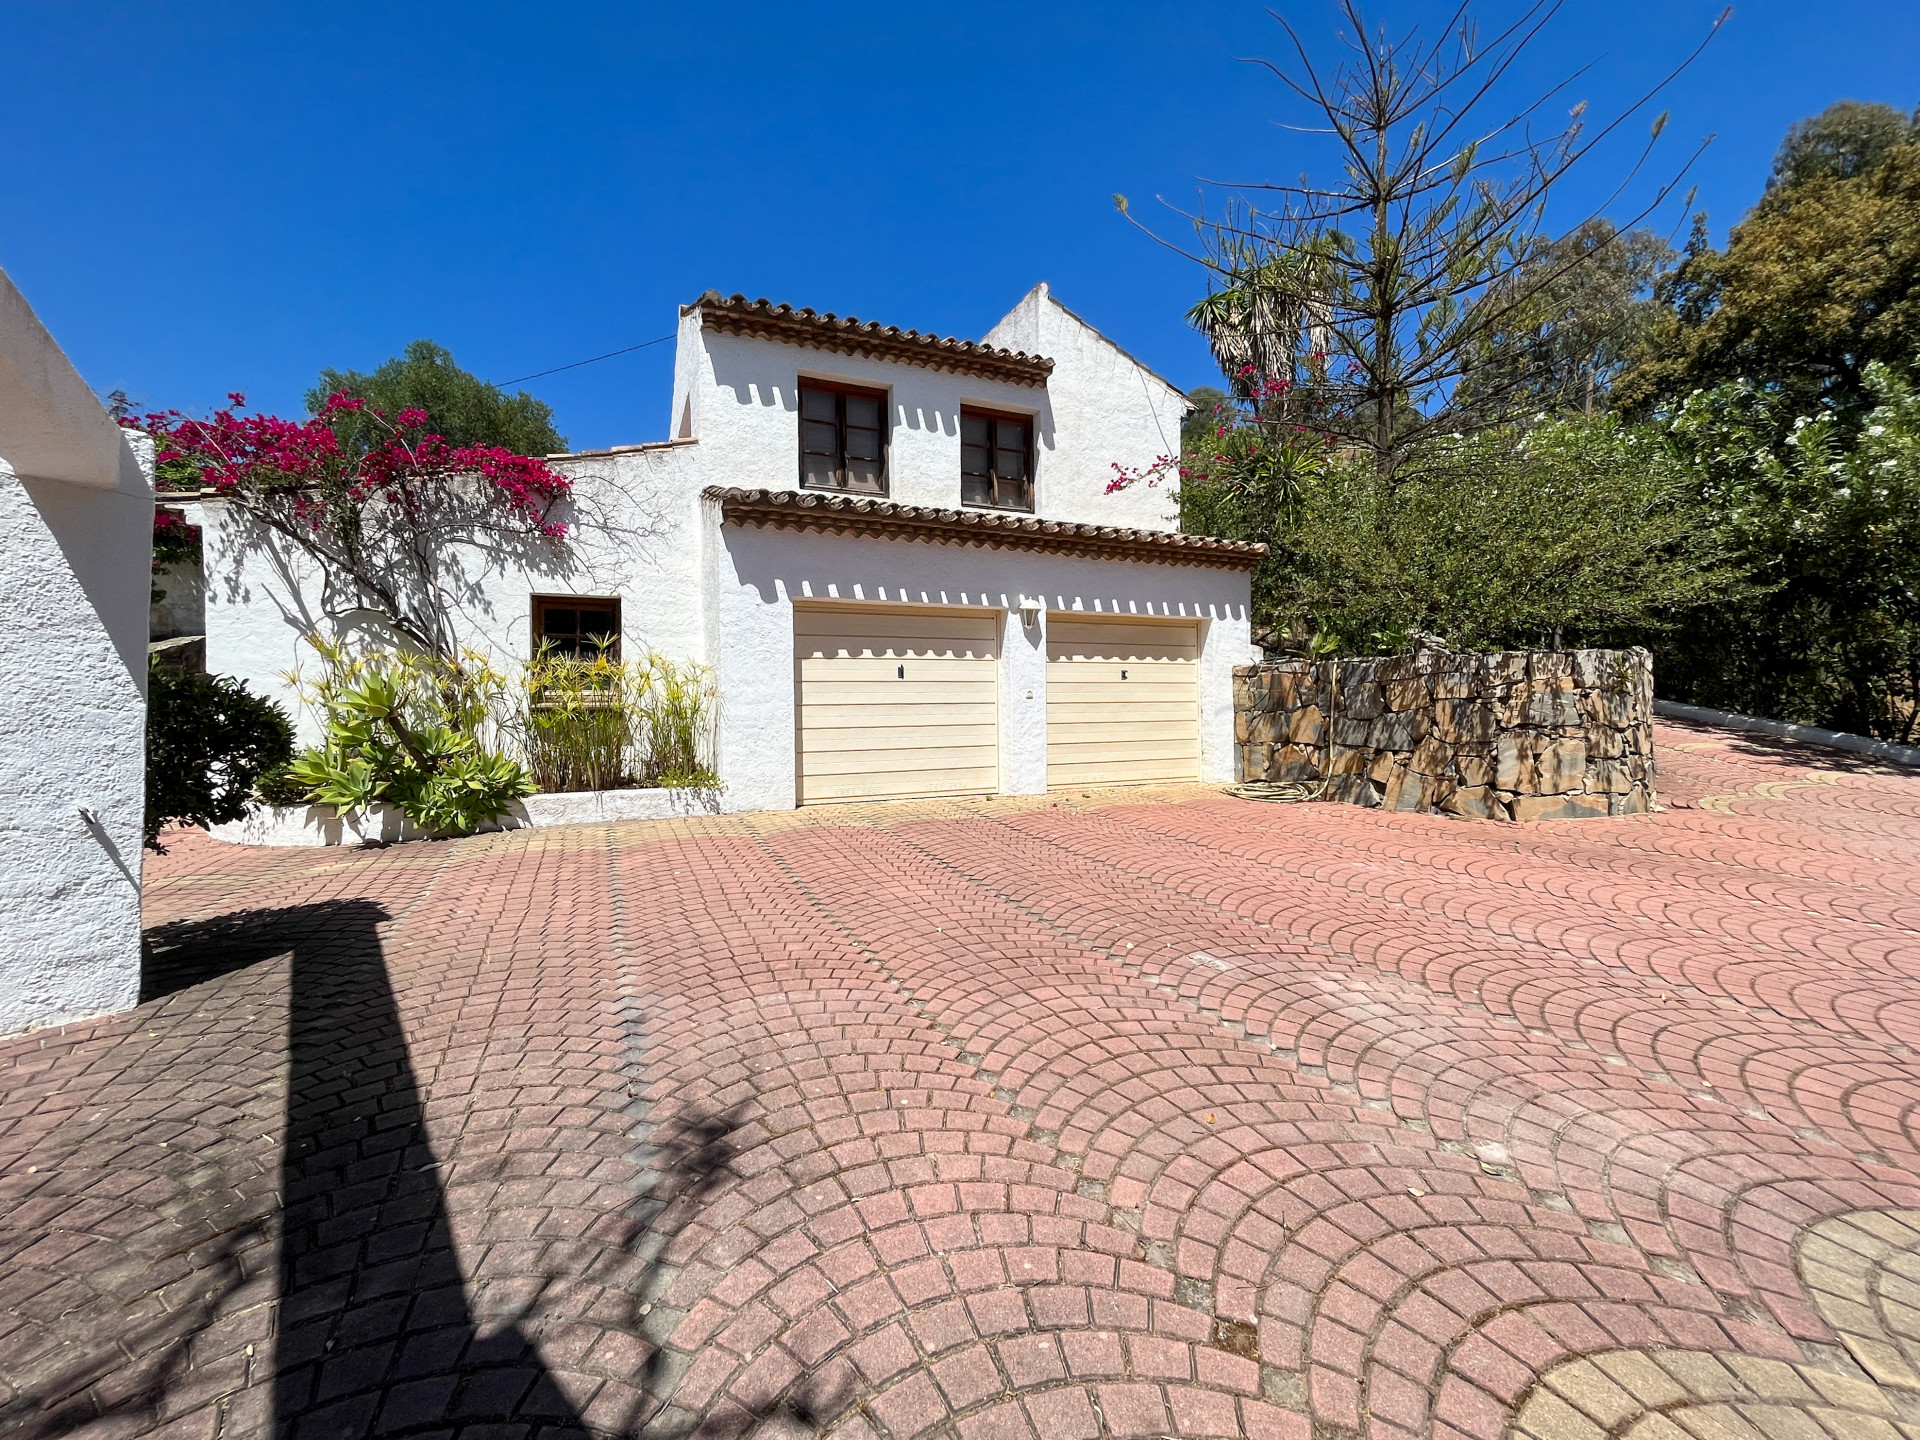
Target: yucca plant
675, 724
576, 723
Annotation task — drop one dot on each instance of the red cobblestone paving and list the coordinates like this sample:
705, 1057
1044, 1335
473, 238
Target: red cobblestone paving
1128, 1113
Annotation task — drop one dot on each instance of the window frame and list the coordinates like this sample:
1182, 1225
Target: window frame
840, 390
542, 603
996, 418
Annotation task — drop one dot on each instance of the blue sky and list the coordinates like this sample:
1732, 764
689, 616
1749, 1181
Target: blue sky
202, 197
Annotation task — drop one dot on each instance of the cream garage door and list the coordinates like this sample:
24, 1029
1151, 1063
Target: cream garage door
896, 702
1123, 700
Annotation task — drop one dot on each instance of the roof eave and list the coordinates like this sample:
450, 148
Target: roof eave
881, 519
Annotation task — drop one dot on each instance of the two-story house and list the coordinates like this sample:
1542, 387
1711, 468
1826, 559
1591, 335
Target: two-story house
898, 554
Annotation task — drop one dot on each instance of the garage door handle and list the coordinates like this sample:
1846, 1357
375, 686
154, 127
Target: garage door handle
1123, 674
903, 672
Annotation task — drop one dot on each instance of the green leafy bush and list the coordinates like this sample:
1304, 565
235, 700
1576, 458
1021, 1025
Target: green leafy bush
209, 739
1825, 517
1572, 531
412, 731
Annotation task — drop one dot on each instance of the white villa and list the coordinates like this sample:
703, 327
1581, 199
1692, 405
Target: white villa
896, 552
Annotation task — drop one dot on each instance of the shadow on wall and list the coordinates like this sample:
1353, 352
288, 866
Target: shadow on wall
374, 1332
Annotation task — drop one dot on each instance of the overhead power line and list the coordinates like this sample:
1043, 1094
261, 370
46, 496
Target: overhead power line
578, 363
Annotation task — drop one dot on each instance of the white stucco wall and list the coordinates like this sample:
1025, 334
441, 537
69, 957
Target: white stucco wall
632, 534
760, 573
73, 671
1108, 409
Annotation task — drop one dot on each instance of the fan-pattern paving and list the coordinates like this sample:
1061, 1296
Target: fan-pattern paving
1127, 1113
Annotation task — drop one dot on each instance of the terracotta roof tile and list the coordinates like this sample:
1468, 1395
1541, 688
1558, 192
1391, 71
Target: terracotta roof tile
849, 335
853, 515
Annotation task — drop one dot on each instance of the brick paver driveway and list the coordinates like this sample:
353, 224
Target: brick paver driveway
1133, 1114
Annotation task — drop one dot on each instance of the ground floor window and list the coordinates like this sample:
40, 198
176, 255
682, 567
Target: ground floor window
576, 626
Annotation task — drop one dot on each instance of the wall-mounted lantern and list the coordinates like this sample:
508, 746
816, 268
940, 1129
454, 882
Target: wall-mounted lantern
1029, 611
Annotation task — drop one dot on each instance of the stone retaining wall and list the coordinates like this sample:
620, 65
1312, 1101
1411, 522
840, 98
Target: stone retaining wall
1521, 735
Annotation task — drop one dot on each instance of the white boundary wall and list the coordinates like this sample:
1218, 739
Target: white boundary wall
76, 505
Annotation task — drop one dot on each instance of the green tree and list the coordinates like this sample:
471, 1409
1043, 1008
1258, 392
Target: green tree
1820, 281
1562, 346
1844, 140
1206, 401
460, 406
1827, 526
1378, 288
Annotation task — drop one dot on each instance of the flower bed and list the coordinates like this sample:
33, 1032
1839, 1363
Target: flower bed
384, 824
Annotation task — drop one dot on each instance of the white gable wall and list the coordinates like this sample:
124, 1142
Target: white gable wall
1108, 409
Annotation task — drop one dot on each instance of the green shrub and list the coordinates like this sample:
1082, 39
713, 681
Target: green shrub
1571, 532
209, 740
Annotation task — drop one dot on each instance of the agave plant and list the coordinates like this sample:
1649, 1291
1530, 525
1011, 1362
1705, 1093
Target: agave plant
408, 730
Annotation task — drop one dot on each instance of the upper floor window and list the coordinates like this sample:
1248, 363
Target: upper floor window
996, 460
843, 438
576, 627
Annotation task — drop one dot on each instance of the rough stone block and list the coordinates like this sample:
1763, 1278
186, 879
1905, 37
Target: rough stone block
1606, 744
1348, 760
1562, 767
1458, 721
1354, 790
1507, 668
1634, 802
1513, 764
1458, 678
1595, 669
1612, 710
1396, 667
1380, 769
1290, 762
1475, 771
1608, 777
1559, 807
1398, 730
1307, 727
1475, 801
1347, 730
1362, 702
1549, 665
1433, 756
1407, 790
1553, 705
1407, 695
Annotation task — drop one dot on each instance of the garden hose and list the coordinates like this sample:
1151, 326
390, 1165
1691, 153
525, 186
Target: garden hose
1283, 791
